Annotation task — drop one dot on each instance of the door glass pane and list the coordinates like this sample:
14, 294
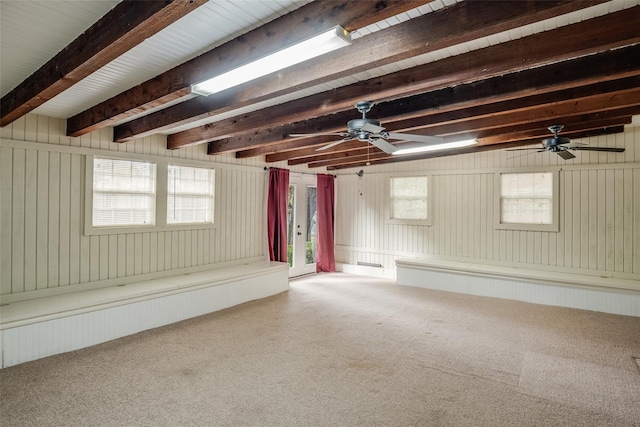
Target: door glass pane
311, 225
291, 218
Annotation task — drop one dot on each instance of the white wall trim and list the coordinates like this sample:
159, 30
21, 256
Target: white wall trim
119, 281
492, 264
72, 149
588, 166
365, 270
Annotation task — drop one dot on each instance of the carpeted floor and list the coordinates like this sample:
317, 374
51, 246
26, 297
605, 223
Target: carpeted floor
340, 350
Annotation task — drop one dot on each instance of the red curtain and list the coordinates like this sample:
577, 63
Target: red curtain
277, 214
325, 258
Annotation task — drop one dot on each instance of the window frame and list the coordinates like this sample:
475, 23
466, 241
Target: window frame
161, 196
423, 222
555, 202
211, 196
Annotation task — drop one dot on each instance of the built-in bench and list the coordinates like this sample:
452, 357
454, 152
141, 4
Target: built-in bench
41, 327
606, 294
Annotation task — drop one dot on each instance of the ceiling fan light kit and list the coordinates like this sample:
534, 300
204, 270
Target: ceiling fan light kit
413, 148
325, 42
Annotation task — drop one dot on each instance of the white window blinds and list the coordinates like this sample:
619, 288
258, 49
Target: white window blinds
409, 198
123, 192
526, 198
190, 195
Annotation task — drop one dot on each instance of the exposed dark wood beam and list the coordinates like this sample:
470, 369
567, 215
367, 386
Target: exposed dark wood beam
571, 126
535, 131
475, 149
580, 71
128, 24
459, 23
441, 124
503, 58
287, 144
311, 151
175, 83
528, 136
594, 98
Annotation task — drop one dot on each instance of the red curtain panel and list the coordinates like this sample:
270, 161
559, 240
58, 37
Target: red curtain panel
277, 214
325, 258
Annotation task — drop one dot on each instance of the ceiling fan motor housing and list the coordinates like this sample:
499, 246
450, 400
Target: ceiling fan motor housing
355, 127
356, 124
555, 141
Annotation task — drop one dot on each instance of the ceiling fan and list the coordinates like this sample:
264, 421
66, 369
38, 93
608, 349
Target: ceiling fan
369, 130
557, 144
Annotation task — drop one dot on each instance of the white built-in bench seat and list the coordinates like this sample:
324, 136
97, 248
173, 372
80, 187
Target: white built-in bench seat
40, 327
618, 295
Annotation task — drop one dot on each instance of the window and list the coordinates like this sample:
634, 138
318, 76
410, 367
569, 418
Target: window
124, 193
409, 200
189, 195
528, 201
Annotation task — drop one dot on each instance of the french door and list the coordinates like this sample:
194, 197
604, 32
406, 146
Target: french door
301, 231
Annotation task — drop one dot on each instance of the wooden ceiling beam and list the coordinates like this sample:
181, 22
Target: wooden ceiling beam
447, 27
541, 80
589, 99
467, 150
176, 83
440, 124
128, 24
441, 72
571, 125
529, 133
318, 157
310, 151
285, 145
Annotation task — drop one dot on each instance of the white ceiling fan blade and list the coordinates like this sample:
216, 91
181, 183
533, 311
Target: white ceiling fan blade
417, 138
383, 145
539, 149
372, 128
332, 144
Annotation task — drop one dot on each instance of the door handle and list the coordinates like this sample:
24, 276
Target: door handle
299, 233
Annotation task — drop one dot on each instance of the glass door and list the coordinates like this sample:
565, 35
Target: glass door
301, 233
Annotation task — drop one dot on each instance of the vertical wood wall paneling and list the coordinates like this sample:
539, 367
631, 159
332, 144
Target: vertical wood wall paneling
598, 223
18, 219
65, 220
636, 219
30, 219
75, 217
6, 220
42, 222
627, 227
43, 246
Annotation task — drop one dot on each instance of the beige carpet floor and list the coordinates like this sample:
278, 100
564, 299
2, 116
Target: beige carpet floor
340, 350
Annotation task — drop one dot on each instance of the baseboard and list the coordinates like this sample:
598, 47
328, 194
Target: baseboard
366, 270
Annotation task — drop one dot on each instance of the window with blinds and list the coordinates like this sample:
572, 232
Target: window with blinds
124, 192
528, 201
526, 198
190, 195
409, 198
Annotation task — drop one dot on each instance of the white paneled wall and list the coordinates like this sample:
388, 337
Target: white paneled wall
42, 243
599, 212
43, 250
